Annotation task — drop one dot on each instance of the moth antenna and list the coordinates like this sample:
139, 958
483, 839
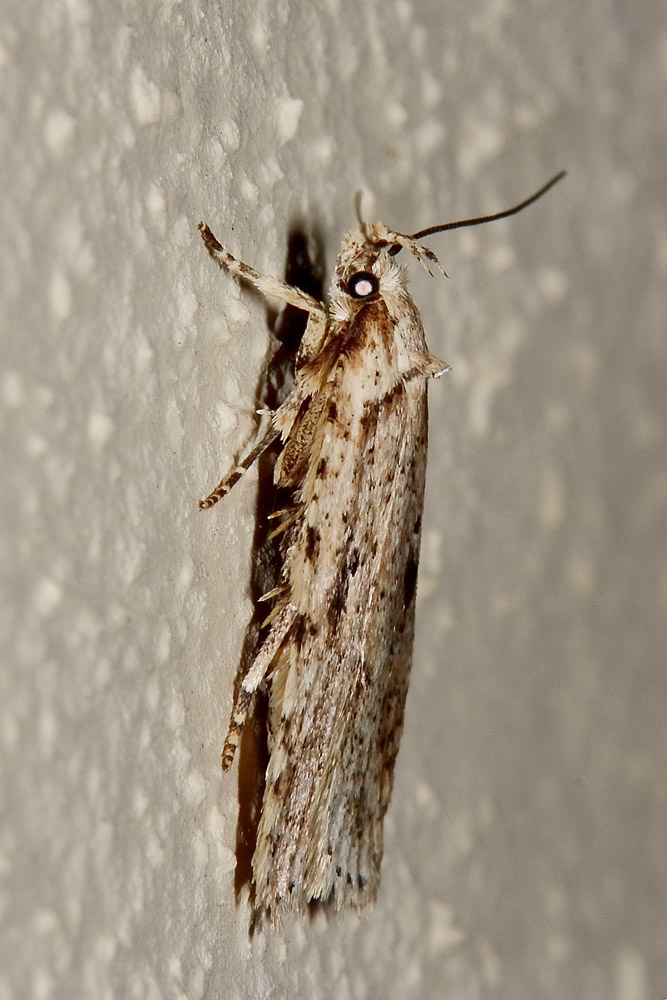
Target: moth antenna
490, 218
357, 207
357, 210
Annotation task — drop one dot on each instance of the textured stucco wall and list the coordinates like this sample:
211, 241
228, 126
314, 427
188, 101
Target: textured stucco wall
526, 841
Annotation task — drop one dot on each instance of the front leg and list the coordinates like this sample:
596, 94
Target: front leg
271, 288
232, 478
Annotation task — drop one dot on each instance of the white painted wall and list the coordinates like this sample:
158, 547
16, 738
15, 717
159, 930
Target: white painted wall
525, 844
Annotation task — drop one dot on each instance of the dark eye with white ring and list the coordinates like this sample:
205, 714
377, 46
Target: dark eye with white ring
362, 285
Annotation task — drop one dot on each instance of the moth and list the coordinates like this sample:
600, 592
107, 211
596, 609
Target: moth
337, 647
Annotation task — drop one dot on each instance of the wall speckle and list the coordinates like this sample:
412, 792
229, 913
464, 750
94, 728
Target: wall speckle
145, 97
288, 111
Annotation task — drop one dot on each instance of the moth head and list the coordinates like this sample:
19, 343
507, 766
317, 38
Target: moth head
362, 268
366, 266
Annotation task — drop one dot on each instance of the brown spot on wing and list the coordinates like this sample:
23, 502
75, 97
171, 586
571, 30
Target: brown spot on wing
312, 543
410, 581
341, 586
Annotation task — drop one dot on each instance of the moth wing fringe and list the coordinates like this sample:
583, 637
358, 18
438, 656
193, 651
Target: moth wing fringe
270, 646
287, 523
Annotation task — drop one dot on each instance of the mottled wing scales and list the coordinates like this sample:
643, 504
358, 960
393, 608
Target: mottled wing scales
340, 678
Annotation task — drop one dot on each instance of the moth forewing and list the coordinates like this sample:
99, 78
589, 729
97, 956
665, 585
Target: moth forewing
337, 651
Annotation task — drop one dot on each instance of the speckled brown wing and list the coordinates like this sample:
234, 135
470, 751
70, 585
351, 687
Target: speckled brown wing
340, 678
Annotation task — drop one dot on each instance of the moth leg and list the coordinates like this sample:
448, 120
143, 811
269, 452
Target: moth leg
271, 288
226, 483
252, 680
240, 709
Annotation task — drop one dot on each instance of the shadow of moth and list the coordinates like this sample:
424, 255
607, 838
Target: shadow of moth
337, 652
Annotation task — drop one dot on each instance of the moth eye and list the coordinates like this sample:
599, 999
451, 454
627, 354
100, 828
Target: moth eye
362, 285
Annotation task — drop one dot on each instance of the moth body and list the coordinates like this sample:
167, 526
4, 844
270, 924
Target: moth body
336, 655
